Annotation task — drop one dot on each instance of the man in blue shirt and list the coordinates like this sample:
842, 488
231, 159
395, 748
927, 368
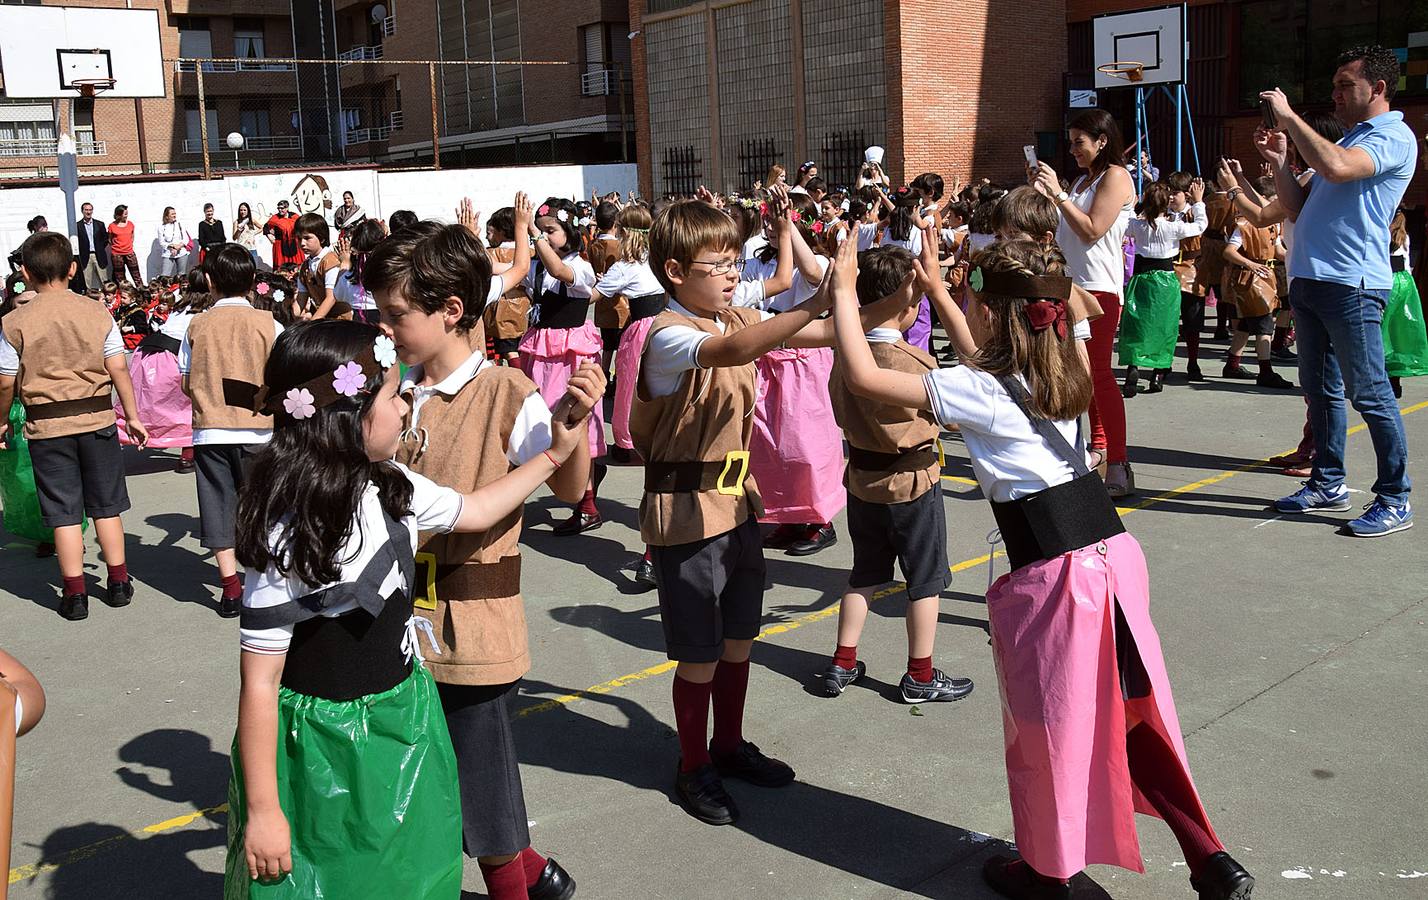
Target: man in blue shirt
1340, 279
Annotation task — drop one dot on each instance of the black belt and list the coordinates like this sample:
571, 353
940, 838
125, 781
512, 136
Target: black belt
467, 581
1147, 264
727, 476
1398, 263
1057, 520
646, 307
913, 460
562, 312
60, 409
1214, 234
159, 341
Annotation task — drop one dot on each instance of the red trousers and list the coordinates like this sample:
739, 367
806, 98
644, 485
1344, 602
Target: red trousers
1108, 409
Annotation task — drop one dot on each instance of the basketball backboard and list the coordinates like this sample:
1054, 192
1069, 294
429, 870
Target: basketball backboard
1153, 37
45, 49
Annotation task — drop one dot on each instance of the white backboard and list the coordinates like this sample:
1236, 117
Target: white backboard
1154, 37
43, 47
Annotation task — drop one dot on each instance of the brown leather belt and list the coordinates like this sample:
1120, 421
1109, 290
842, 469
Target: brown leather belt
470, 580
726, 476
60, 409
914, 460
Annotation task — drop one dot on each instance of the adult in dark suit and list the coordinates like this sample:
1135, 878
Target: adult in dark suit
93, 248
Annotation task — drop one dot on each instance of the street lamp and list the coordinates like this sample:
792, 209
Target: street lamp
235, 143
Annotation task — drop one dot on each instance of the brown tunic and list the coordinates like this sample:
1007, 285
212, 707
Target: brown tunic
228, 342
1210, 266
709, 416
610, 312
315, 283
507, 318
60, 339
885, 428
1257, 244
482, 638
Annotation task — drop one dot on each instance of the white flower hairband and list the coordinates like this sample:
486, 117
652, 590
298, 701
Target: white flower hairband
346, 381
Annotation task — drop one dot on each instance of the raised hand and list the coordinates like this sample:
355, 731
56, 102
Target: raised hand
468, 217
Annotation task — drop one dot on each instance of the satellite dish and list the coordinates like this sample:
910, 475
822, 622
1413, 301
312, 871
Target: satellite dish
378, 13
234, 140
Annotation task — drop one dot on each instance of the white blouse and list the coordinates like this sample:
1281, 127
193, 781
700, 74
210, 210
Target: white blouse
1163, 240
1099, 266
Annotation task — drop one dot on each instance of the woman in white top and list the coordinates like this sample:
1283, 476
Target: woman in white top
1093, 222
173, 244
245, 230
1150, 323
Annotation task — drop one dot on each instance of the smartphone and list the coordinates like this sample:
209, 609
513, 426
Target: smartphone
1030, 152
1266, 114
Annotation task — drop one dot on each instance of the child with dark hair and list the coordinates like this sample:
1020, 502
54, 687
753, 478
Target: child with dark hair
1251, 253
612, 311
337, 711
223, 346
353, 247
507, 319
468, 423
401, 220
905, 230
317, 282
18, 499
561, 337
61, 354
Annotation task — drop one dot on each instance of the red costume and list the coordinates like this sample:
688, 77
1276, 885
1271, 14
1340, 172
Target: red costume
285, 243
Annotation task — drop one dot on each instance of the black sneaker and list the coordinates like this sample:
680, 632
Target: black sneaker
749, 763
836, 678
1223, 879
119, 593
554, 883
702, 795
1284, 354
1238, 373
230, 607
74, 607
1273, 380
1193, 373
941, 688
645, 574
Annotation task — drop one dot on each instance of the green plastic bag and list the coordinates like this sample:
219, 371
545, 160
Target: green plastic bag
17, 485
1405, 342
369, 789
1150, 320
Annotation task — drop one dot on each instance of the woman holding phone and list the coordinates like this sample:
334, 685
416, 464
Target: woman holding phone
1094, 215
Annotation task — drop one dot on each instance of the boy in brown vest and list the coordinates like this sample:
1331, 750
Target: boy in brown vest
895, 507
317, 280
507, 319
221, 358
64, 354
470, 421
1253, 252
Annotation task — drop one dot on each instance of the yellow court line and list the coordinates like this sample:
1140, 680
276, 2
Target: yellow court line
21, 873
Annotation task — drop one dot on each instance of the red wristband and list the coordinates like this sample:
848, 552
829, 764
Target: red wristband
552, 459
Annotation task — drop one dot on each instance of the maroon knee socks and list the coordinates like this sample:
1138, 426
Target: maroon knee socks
534, 864
232, 587
1159, 775
691, 721
507, 881
846, 657
731, 685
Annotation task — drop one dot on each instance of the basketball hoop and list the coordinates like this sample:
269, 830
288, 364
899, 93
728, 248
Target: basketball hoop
1133, 72
88, 87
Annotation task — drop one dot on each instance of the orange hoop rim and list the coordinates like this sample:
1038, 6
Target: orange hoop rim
88, 87
1125, 69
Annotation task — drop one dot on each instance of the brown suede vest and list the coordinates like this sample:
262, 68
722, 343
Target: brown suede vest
507, 318
885, 428
228, 342
60, 339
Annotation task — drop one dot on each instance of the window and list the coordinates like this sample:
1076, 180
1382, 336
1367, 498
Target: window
248, 39
255, 122
194, 133
24, 122
83, 123
599, 74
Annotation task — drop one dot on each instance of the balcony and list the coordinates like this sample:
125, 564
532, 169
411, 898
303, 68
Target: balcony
378, 133
259, 142
246, 65
600, 82
389, 25
50, 148
361, 53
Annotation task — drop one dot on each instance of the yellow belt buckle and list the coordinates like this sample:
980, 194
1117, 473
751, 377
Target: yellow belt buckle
426, 597
941, 454
733, 457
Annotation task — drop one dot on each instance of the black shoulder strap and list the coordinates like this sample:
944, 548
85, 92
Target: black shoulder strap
1053, 436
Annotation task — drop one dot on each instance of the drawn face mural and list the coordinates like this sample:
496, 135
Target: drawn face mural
312, 195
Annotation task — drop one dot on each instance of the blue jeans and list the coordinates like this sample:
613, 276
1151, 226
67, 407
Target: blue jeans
1340, 337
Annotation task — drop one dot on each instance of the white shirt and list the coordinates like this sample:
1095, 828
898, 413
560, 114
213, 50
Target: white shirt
1163, 241
753, 245
176, 325
173, 233
633, 279
204, 436
582, 285
748, 294
1009, 458
884, 336
10, 357
1099, 266
674, 350
329, 278
867, 235
352, 293
912, 245
434, 508
530, 435
801, 290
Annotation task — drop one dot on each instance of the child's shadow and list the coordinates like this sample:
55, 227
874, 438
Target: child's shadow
156, 866
196, 772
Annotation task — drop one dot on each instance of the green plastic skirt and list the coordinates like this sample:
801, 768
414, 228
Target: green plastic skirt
17, 485
1405, 342
1150, 320
370, 792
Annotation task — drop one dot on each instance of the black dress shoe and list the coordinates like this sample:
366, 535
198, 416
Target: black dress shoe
941, 689
74, 607
1223, 879
1157, 383
554, 883
702, 795
1239, 373
119, 593
782, 537
821, 539
645, 574
1192, 373
624, 456
750, 764
230, 607
1012, 877
44, 550
1274, 380
577, 524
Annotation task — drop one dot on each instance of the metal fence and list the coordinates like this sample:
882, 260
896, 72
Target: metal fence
225, 114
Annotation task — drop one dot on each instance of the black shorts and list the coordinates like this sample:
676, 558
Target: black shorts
710, 590
1256, 325
78, 474
913, 533
221, 470
610, 337
505, 347
493, 806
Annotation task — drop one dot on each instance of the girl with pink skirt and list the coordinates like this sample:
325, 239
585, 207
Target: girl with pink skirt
561, 336
158, 387
1091, 732
630, 276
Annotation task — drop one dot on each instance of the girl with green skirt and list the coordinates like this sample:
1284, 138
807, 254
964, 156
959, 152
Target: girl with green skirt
344, 781
1150, 318
1405, 341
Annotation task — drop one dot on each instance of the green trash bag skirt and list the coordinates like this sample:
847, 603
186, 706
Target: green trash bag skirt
1405, 342
1150, 320
17, 485
369, 789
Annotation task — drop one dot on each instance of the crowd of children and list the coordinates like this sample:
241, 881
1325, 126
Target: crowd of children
367, 421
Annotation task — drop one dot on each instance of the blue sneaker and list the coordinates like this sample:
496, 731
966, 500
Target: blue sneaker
1380, 518
1314, 499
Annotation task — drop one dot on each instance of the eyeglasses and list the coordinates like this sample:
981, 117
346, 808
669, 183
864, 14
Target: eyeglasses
719, 267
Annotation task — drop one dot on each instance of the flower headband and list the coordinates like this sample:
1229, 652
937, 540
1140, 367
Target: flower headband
1045, 295
303, 401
